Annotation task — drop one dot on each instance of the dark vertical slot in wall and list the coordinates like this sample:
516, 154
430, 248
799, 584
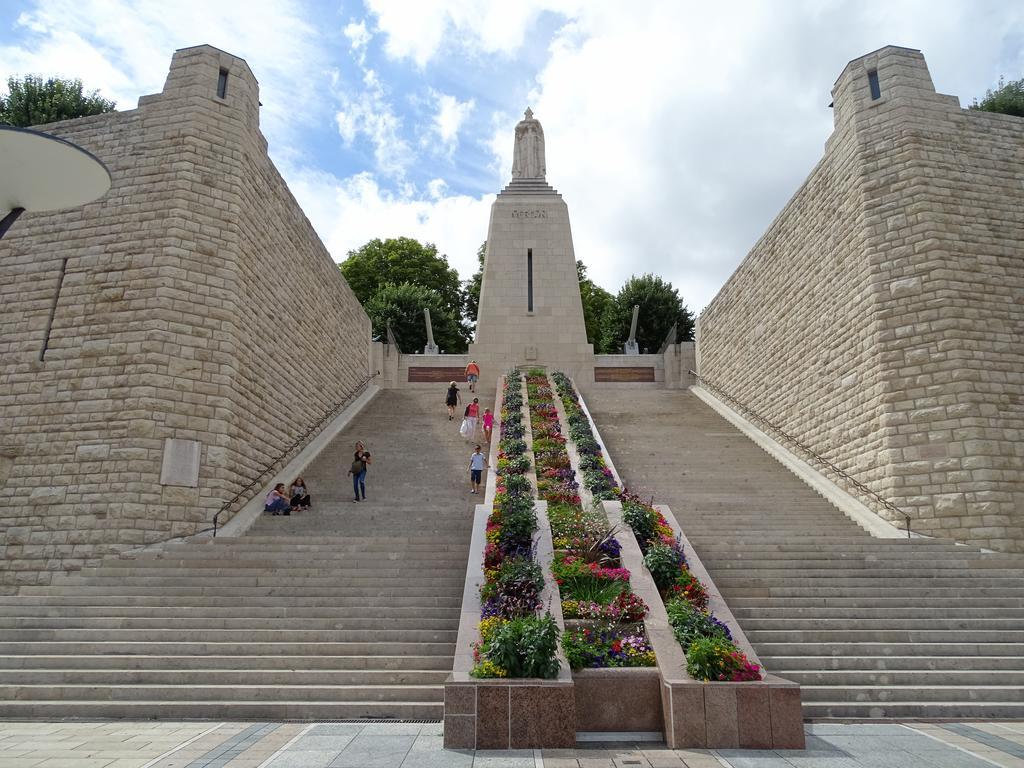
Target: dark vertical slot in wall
222, 84
876, 91
529, 279
53, 308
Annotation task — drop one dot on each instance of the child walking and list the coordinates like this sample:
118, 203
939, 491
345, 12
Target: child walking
477, 463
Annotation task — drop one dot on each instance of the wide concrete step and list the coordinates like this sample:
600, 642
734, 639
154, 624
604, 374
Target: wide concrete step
896, 602
275, 601
359, 611
922, 693
893, 577
930, 678
424, 593
861, 591
382, 578
184, 634
195, 624
912, 708
244, 663
325, 542
226, 647
883, 649
861, 624
239, 709
884, 635
201, 676
962, 612
867, 664
169, 693
212, 565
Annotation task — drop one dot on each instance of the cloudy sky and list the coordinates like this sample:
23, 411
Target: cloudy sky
675, 130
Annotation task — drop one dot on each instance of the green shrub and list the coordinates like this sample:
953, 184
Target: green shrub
641, 519
664, 563
526, 647
712, 658
689, 624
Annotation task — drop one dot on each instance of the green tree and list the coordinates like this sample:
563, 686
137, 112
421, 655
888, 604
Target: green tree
1007, 98
660, 307
402, 307
402, 260
471, 289
31, 100
596, 301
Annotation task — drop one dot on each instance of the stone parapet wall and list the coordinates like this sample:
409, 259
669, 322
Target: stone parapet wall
878, 318
197, 304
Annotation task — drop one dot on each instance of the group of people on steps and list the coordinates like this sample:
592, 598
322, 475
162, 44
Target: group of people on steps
277, 503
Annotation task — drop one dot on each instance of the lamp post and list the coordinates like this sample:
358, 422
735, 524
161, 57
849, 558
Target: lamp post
39, 172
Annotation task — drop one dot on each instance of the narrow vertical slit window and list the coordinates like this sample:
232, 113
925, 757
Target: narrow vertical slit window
53, 309
222, 84
529, 279
876, 92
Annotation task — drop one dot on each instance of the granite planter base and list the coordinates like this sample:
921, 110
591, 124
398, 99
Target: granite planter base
756, 715
617, 700
509, 714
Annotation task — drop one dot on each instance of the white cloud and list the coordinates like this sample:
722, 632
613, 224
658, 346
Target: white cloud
359, 38
422, 29
676, 132
123, 48
349, 212
369, 112
451, 114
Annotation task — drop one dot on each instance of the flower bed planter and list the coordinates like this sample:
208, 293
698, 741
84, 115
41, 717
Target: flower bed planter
605, 641
490, 703
742, 710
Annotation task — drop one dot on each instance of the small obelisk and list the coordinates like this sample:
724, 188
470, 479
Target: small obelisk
530, 308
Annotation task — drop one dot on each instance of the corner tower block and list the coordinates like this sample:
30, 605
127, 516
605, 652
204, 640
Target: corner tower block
872, 85
530, 306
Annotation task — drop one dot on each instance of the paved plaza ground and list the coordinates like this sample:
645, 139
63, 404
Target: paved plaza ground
411, 745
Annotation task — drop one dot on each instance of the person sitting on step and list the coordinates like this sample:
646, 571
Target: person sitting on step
277, 503
300, 495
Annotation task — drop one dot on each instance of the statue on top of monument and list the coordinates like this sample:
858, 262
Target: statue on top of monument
528, 156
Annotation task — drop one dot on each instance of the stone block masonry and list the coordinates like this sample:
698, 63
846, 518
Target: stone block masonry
193, 303
879, 317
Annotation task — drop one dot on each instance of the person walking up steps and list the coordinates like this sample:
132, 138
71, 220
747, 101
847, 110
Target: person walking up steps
452, 399
477, 463
488, 420
472, 375
472, 417
361, 459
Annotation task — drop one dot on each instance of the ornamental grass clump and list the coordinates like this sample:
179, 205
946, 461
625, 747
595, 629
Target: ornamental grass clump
514, 640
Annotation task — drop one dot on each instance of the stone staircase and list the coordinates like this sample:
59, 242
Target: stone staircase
343, 611
870, 628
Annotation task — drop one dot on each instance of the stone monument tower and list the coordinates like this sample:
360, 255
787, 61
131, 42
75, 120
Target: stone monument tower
530, 307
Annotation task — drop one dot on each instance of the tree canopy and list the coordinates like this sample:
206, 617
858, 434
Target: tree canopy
660, 308
402, 260
1007, 98
31, 100
596, 301
402, 307
383, 275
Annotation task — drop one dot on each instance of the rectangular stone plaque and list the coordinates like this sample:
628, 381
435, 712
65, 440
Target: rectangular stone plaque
181, 463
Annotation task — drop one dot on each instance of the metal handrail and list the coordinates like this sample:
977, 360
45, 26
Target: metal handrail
821, 460
329, 414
